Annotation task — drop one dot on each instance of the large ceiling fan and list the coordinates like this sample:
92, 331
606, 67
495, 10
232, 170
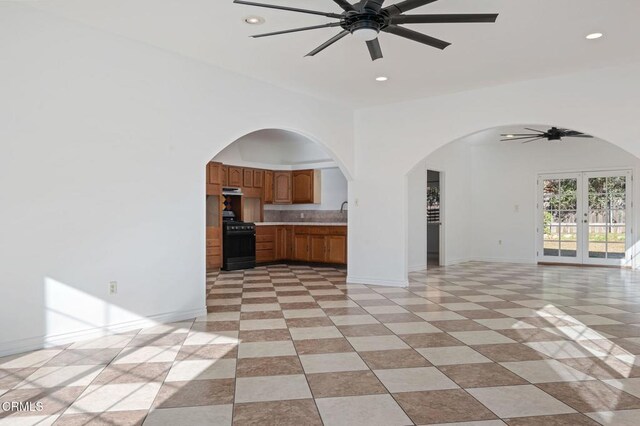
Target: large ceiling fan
367, 18
553, 134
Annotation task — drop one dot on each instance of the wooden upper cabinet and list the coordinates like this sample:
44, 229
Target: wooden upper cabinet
247, 178
214, 176
282, 187
306, 187
235, 176
225, 175
267, 193
258, 178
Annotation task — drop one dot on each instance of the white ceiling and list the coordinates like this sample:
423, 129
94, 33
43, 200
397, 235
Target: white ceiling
274, 147
532, 38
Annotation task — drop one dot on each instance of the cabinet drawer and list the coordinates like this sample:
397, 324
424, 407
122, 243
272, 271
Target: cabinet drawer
265, 238
214, 251
270, 245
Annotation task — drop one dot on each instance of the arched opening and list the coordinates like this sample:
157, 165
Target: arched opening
512, 200
275, 197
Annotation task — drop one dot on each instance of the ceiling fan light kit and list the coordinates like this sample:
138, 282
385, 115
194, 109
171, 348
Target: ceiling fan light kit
366, 19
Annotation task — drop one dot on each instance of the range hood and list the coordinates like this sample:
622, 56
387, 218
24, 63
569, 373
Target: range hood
231, 191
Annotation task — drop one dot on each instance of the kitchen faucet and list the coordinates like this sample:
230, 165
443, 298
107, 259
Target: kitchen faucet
342, 206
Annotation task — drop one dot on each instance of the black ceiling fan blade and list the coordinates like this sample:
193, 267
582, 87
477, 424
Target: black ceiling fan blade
580, 136
407, 5
445, 18
327, 43
574, 133
345, 5
520, 134
374, 5
534, 130
295, 30
518, 138
374, 49
416, 36
290, 9
533, 140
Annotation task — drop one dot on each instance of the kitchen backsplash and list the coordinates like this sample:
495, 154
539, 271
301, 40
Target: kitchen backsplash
309, 216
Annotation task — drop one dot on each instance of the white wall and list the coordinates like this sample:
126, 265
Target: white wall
490, 192
104, 143
392, 139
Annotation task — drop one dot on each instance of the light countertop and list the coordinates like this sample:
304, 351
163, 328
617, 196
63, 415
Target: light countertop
301, 223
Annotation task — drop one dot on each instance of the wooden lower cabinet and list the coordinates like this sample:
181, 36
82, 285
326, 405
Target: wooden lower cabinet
214, 248
284, 243
336, 248
317, 248
265, 244
316, 244
301, 247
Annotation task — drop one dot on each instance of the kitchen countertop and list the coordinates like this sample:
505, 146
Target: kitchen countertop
301, 223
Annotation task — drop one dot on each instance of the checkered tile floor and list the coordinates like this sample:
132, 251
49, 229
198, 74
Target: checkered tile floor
482, 344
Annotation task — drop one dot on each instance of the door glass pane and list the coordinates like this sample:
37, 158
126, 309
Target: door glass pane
560, 204
616, 250
597, 250
568, 249
597, 184
568, 217
607, 217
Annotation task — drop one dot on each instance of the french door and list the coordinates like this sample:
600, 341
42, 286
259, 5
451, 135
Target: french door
584, 218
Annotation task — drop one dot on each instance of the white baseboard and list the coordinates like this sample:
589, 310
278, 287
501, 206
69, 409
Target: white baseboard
504, 260
47, 341
376, 281
418, 268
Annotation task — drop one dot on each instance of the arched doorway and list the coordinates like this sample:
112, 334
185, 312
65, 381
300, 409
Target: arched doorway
568, 201
286, 193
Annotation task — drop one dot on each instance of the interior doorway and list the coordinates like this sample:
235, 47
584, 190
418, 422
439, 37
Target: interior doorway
584, 218
434, 219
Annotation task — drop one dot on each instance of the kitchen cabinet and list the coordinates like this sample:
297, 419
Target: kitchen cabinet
316, 244
306, 186
336, 248
258, 178
247, 178
301, 247
282, 187
225, 175
267, 192
214, 178
265, 244
317, 248
235, 177
284, 244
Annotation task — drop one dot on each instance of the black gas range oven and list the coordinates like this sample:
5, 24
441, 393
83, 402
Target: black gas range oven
238, 245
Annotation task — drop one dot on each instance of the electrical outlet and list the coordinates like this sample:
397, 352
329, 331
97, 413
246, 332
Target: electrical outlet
113, 287
301, 215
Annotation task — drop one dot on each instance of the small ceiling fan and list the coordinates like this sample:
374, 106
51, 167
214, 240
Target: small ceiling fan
553, 134
367, 18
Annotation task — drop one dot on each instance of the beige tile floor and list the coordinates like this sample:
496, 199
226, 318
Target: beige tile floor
475, 344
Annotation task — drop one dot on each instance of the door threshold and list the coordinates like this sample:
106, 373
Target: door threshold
583, 265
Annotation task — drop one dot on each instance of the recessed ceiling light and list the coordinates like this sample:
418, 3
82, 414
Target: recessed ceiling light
594, 36
382, 78
509, 136
254, 20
